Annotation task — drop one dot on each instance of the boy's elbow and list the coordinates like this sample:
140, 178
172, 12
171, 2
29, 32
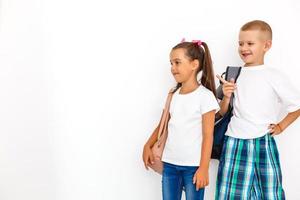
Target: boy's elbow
298, 112
223, 111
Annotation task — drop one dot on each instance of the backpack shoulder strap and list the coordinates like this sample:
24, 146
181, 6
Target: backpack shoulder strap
232, 73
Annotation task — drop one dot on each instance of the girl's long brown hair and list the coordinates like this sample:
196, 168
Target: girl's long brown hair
202, 54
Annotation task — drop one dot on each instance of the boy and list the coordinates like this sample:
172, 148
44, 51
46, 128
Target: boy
249, 166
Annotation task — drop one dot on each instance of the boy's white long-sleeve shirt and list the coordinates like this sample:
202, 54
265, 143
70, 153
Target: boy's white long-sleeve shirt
260, 93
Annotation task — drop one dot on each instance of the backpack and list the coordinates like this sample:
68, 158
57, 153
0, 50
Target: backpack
221, 122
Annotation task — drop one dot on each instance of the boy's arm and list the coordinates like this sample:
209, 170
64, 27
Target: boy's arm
228, 88
224, 104
276, 129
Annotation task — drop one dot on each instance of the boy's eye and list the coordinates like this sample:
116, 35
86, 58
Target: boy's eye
240, 44
250, 43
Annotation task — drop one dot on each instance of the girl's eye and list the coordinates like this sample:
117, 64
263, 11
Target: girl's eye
250, 43
240, 44
175, 63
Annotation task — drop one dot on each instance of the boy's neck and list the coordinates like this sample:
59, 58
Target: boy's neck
254, 64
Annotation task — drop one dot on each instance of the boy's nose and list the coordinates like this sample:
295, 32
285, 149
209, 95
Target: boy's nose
244, 47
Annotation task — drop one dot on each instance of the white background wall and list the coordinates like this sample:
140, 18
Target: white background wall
81, 83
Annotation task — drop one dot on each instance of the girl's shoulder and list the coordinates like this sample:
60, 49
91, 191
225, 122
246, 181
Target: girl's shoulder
204, 89
205, 92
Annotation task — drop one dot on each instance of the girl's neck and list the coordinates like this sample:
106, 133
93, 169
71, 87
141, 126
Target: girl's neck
189, 86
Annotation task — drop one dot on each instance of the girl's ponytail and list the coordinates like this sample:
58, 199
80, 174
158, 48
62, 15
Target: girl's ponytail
208, 77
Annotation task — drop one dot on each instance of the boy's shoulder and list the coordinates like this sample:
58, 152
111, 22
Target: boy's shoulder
274, 73
267, 71
275, 76
272, 70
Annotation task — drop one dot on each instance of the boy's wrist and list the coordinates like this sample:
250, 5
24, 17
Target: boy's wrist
280, 127
227, 98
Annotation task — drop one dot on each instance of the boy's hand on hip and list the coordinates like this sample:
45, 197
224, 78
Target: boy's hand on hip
228, 86
201, 178
275, 129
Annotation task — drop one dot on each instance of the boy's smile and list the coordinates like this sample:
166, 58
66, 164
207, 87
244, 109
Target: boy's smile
252, 47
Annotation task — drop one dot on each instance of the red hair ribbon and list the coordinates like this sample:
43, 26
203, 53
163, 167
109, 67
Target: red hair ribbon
198, 42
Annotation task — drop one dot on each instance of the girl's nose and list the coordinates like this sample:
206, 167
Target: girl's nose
173, 70
172, 67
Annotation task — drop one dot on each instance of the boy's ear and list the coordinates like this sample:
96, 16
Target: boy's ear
268, 45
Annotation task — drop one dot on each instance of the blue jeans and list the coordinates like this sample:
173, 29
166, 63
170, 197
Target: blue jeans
176, 178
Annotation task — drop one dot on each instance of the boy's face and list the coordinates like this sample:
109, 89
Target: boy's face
253, 44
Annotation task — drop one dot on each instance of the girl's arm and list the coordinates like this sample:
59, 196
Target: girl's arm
201, 177
147, 153
148, 157
208, 122
153, 138
276, 129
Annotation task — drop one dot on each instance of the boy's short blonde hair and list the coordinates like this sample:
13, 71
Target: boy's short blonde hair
258, 25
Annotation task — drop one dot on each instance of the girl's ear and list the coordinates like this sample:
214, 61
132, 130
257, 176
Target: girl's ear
195, 64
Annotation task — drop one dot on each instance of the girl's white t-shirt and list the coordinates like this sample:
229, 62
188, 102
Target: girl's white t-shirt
260, 93
183, 145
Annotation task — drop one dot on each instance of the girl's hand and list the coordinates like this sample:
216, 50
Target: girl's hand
228, 87
148, 157
201, 178
275, 129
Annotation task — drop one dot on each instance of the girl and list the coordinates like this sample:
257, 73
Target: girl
188, 147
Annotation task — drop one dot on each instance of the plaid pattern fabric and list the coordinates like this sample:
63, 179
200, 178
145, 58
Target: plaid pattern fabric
249, 169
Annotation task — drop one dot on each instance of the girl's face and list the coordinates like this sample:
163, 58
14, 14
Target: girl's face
182, 67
